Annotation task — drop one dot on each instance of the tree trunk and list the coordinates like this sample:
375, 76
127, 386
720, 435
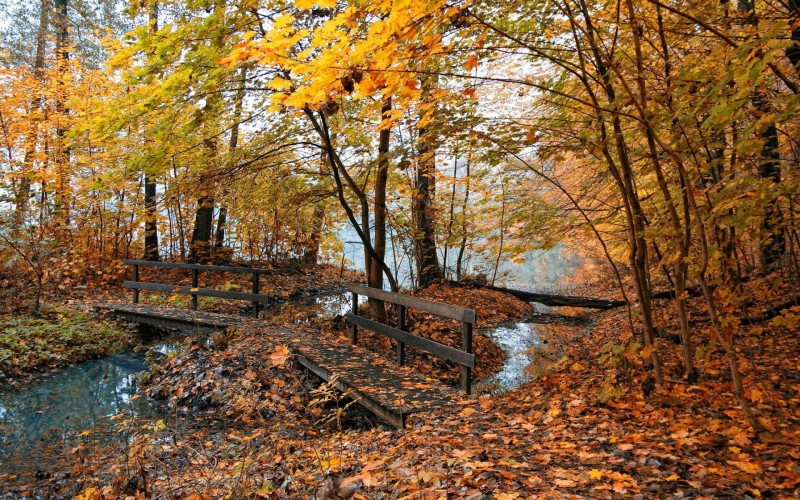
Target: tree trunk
770, 169
203, 226
451, 216
150, 225
428, 269
502, 232
204, 214
793, 51
463, 246
375, 276
62, 153
311, 254
23, 191
219, 236
150, 201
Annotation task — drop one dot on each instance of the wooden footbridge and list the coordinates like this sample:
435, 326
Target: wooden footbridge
388, 389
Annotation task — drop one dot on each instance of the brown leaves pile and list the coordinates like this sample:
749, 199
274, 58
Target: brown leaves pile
554, 437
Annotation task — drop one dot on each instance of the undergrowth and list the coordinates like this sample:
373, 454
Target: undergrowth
53, 338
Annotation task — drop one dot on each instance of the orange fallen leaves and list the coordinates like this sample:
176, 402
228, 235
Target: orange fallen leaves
280, 356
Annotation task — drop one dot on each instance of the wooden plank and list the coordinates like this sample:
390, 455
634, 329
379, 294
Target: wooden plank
446, 310
203, 292
394, 418
178, 323
466, 344
447, 352
195, 287
400, 390
353, 326
199, 267
135, 290
401, 325
171, 312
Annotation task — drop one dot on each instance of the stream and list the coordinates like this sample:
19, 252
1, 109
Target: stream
72, 408
81, 406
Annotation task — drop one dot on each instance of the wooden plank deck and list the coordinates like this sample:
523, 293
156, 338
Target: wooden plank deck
390, 391
168, 317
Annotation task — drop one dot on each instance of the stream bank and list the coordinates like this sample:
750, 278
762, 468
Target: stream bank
37, 343
245, 392
49, 427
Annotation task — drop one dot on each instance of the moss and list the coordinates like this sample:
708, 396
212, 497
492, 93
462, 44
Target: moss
54, 338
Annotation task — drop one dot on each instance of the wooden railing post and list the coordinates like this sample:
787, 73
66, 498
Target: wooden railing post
135, 278
255, 290
195, 284
466, 345
354, 328
401, 325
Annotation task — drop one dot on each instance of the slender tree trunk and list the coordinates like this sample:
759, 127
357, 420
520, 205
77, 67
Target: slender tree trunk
375, 277
463, 246
62, 156
770, 170
428, 269
451, 215
793, 51
204, 212
23, 191
150, 225
222, 219
502, 232
151, 251
311, 254
219, 234
203, 222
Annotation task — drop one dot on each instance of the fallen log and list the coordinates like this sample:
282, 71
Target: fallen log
772, 313
556, 300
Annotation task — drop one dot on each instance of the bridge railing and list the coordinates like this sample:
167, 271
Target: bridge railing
468, 317
194, 290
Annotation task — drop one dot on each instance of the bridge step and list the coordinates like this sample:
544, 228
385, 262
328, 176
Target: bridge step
390, 391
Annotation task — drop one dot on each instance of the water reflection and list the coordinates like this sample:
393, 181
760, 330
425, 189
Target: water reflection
53, 413
325, 306
536, 271
543, 270
522, 344
517, 341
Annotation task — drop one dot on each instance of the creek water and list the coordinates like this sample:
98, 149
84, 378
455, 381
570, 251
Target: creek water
82, 404
522, 341
68, 409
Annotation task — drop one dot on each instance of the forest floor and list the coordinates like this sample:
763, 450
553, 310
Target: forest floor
240, 422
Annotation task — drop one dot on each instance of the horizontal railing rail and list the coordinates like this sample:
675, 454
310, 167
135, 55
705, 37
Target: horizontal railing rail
199, 267
438, 308
468, 318
194, 290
